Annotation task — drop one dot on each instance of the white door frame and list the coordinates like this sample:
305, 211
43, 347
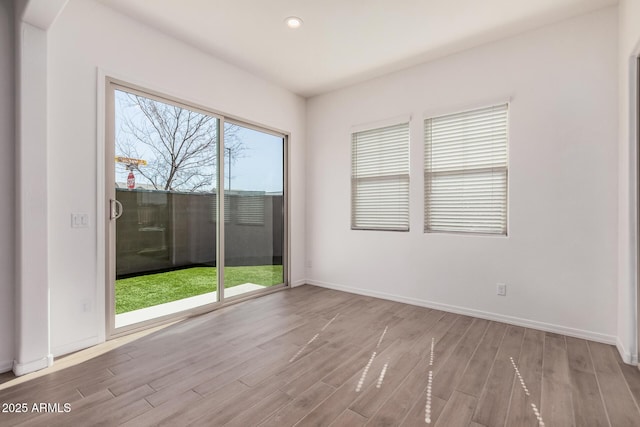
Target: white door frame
106, 192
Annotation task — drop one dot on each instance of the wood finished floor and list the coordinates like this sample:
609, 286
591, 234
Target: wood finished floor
311, 356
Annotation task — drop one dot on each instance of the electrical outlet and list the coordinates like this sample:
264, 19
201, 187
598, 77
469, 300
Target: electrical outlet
501, 289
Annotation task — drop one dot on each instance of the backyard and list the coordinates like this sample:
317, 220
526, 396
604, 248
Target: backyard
138, 292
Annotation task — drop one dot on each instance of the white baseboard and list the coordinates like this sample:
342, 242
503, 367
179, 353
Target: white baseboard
76, 346
6, 366
517, 321
627, 356
298, 283
20, 369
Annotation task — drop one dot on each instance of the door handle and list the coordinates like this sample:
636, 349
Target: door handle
115, 209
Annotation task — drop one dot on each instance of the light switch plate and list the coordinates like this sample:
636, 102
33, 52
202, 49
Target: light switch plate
79, 220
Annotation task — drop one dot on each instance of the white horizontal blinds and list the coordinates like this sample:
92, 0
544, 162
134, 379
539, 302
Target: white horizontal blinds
466, 171
380, 178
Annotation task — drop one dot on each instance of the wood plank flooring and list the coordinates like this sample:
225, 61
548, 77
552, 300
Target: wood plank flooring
316, 357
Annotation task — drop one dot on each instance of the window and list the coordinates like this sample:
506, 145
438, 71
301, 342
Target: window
380, 178
465, 172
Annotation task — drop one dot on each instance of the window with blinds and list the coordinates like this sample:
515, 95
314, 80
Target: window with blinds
380, 178
465, 172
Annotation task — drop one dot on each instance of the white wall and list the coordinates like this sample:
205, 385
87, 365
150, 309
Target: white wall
629, 49
86, 36
7, 184
560, 259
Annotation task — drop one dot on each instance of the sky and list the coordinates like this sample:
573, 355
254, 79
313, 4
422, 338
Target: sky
258, 166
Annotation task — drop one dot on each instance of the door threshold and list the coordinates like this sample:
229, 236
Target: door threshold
182, 305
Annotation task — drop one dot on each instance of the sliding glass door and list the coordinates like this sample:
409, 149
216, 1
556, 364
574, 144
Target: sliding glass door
196, 208
254, 209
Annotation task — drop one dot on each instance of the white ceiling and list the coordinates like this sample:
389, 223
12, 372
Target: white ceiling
342, 41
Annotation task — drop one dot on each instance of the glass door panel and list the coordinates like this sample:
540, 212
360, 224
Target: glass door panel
254, 236
165, 173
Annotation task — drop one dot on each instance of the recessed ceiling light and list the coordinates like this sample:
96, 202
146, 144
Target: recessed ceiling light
293, 22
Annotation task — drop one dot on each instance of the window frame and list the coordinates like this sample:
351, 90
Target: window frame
108, 84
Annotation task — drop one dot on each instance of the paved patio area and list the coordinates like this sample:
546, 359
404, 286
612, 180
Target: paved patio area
136, 316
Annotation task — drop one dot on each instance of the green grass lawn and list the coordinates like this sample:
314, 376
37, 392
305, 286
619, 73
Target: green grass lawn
152, 289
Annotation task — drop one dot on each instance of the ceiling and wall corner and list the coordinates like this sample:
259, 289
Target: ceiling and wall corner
343, 41
7, 185
40, 13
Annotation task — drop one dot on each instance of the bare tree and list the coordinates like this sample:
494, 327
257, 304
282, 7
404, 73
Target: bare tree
179, 145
